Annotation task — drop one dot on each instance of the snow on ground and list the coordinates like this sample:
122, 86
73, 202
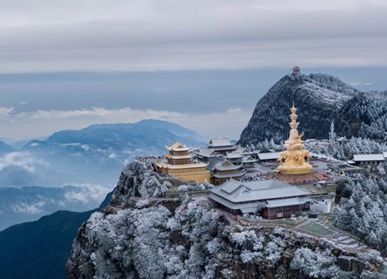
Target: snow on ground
323, 206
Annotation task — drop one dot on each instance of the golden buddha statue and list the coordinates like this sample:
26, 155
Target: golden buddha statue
295, 160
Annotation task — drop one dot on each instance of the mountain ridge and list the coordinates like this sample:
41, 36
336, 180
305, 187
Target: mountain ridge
317, 97
27, 249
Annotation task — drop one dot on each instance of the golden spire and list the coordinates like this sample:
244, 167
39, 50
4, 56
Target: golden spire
295, 160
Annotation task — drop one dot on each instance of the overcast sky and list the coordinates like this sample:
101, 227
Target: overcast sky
67, 64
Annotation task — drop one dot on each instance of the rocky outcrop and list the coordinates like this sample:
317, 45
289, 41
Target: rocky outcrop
141, 235
318, 98
365, 115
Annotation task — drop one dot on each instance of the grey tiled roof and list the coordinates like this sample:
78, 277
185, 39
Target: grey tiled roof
220, 142
268, 156
233, 155
261, 190
227, 165
230, 186
229, 174
368, 157
205, 152
286, 202
214, 161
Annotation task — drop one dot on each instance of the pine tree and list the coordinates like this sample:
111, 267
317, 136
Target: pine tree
332, 134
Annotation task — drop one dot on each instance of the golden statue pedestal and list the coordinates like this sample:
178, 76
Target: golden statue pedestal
293, 169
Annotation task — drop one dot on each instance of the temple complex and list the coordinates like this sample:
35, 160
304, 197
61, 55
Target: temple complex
295, 160
179, 164
222, 147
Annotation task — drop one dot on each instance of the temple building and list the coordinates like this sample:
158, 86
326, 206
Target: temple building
179, 164
272, 199
221, 145
248, 162
224, 170
296, 70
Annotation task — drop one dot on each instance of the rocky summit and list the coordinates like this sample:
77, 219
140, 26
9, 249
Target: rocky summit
147, 233
318, 98
365, 115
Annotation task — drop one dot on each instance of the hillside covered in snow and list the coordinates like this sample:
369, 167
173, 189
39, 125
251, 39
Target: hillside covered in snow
145, 234
320, 99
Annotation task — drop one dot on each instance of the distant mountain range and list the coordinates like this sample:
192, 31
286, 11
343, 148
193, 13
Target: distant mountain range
95, 154
23, 204
91, 156
320, 99
40, 249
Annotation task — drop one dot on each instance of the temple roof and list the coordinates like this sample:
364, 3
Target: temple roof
205, 152
242, 150
226, 165
368, 157
286, 202
219, 142
214, 161
244, 207
229, 174
248, 159
268, 156
186, 156
262, 190
234, 155
177, 146
185, 166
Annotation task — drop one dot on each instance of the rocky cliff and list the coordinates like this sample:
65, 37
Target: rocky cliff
318, 98
143, 234
365, 115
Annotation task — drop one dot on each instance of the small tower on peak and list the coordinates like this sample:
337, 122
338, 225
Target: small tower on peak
296, 70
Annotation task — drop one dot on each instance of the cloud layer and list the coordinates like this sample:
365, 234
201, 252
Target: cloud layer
172, 35
36, 123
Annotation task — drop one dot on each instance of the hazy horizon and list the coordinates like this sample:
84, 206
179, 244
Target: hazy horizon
201, 64
211, 102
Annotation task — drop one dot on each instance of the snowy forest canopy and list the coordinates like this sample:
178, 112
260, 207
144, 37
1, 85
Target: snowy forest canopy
363, 210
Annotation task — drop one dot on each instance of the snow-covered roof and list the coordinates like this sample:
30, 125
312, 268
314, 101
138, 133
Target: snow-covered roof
205, 152
185, 166
385, 154
188, 156
223, 148
368, 157
244, 206
177, 146
269, 156
229, 174
242, 150
286, 202
230, 186
220, 142
248, 159
261, 190
214, 161
226, 165
234, 155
